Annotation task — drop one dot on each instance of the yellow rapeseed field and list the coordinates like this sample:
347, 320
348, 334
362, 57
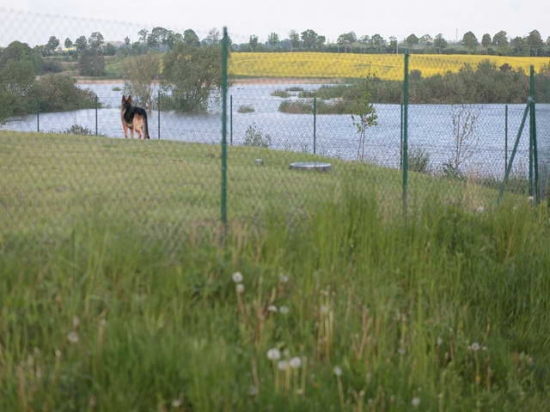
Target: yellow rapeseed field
342, 65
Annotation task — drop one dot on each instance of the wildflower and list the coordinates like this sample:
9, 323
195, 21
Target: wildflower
295, 363
439, 341
237, 277
283, 365
283, 310
76, 322
273, 354
239, 288
73, 337
57, 353
272, 308
480, 209
415, 402
283, 278
176, 403
337, 371
475, 346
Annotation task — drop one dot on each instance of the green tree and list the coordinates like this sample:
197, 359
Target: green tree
500, 40
439, 42
96, 40
294, 39
412, 40
364, 114
253, 42
190, 38
273, 40
140, 73
309, 39
81, 44
486, 41
469, 40
191, 74
68, 43
52, 44
535, 43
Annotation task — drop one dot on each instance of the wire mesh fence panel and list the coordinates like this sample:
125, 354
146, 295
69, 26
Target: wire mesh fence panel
64, 158
303, 126
310, 130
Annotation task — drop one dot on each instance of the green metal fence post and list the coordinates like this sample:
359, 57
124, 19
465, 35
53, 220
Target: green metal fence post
406, 133
533, 136
505, 138
231, 120
314, 125
225, 56
158, 114
96, 107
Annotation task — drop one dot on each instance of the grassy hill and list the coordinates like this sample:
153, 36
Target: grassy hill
133, 302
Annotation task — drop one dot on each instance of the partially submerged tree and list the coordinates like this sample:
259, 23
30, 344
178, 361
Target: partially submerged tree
141, 72
191, 74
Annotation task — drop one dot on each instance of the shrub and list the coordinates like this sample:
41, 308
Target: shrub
419, 160
79, 130
255, 137
245, 109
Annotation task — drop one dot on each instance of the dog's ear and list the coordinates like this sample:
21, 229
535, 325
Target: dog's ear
130, 98
123, 98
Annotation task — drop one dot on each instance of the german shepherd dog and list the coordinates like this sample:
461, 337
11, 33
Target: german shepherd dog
133, 118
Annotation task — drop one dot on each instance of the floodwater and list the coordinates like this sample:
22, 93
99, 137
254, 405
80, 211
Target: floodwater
430, 129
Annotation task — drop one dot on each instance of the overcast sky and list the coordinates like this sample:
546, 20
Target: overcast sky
34, 21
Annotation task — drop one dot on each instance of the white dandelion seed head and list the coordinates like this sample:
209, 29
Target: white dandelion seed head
73, 337
283, 365
176, 403
283, 278
272, 308
480, 209
57, 353
76, 322
273, 354
295, 362
237, 277
239, 288
283, 310
337, 371
253, 390
415, 402
439, 341
475, 346
324, 309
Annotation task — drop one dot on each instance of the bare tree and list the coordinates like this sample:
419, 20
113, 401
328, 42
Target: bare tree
465, 139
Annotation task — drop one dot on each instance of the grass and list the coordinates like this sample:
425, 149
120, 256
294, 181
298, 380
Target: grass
357, 308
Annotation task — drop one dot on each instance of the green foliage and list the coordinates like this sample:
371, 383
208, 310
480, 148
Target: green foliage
140, 72
78, 130
255, 137
419, 160
190, 75
56, 93
363, 113
91, 62
246, 109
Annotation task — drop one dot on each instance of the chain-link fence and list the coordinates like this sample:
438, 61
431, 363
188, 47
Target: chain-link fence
301, 127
